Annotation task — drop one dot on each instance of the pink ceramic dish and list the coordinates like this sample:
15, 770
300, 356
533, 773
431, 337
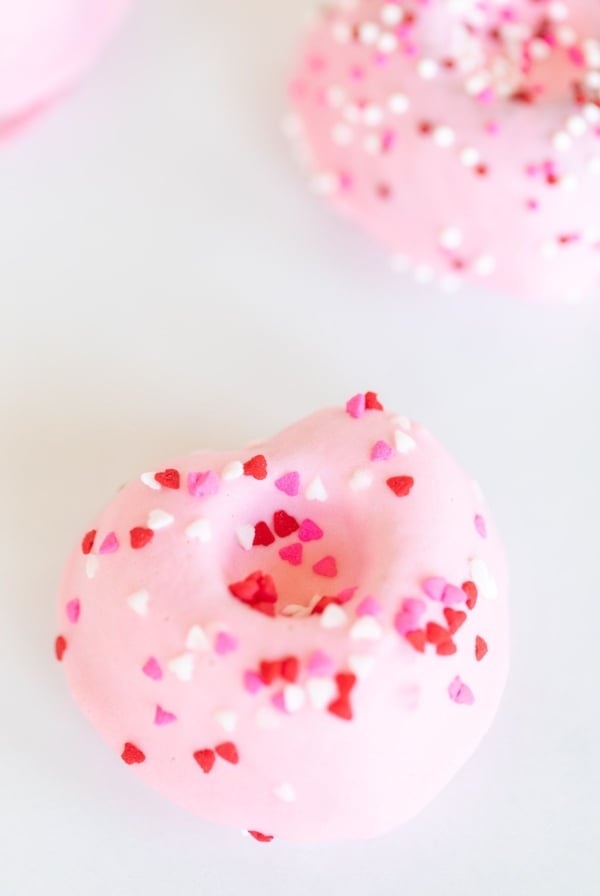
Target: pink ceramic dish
304, 639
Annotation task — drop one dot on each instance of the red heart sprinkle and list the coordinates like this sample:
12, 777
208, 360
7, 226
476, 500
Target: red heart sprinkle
345, 682
263, 536
60, 645
169, 478
400, 485
205, 759
322, 604
417, 639
284, 524
372, 403
290, 668
140, 536
262, 838
446, 648
435, 633
269, 670
470, 589
132, 755
228, 752
256, 467
454, 618
87, 542
481, 648
341, 708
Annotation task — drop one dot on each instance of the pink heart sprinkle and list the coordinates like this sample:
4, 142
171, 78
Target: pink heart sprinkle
289, 483
202, 485
152, 669
434, 587
278, 701
73, 609
292, 553
355, 406
404, 622
326, 567
369, 606
162, 717
415, 606
452, 595
225, 643
345, 595
320, 663
309, 531
480, 526
460, 692
252, 681
381, 451
109, 545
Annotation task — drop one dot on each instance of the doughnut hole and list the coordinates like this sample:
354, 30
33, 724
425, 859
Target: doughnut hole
323, 557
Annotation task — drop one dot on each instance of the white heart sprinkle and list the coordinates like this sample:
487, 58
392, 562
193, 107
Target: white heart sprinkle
200, 529
294, 697
227, 719
149, 480
360, 480
486, 584
321, 691
361, 664
197, 639
245, 536
316, 490
333, 616
92, 562
233, 470
182, 666
138, 601
285, 792
366, 629
268, 718
403, 422
403, 442
295, 611
159, 519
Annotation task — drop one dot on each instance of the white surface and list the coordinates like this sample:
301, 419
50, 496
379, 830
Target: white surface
167, 282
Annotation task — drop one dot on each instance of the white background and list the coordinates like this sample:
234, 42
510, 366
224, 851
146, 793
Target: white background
167, 282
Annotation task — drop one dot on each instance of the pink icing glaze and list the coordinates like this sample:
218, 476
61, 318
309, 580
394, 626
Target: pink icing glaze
45, 45
337, 716
466, 154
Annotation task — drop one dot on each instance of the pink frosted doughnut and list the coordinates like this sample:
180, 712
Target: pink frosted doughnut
304, 639
463, 135
45, 45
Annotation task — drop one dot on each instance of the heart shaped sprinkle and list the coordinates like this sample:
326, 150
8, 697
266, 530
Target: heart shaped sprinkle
151, 669
372, 402
205, 759
200, 529
316, 490
435, 633
400, 485
262, 838
434, 587
480, 526
452, 595
454, 618
460, 692
292, 553
73, 610
289, 483
470, 589
110, 544
197, 639
417, 639
203, 484
245, 535
446, 648
327, 567
159, 519
481, 648
138, 601
404, 443
132, 755
263, 536
162, 717
87, 542
284, 524
369, 606
309, 531
140, 536
381, 450
233, 470
168, 478
355, 406
225, 643
256, 467
60, 645
228, 752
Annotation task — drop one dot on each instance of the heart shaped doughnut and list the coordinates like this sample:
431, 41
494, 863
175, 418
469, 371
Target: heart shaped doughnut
463, 135
44, 47
304, 639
